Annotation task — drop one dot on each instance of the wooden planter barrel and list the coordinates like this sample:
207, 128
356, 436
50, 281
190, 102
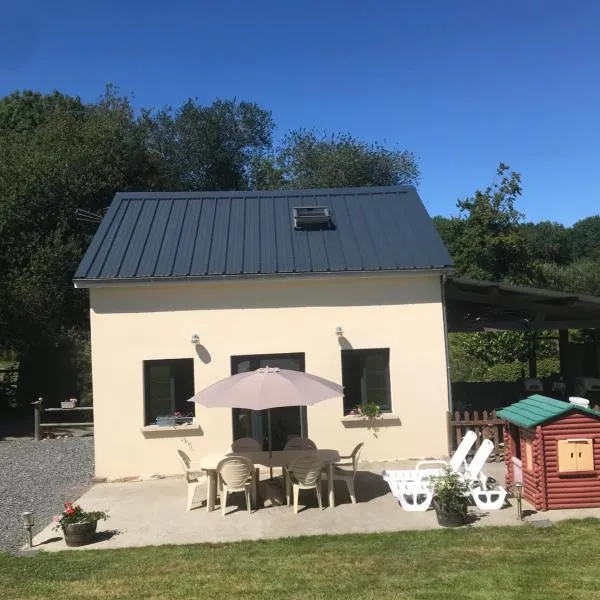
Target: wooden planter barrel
79, 534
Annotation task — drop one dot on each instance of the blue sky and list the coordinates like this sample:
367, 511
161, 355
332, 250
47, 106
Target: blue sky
464, 84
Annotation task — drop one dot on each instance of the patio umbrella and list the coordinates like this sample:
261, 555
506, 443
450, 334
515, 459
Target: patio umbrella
266, 388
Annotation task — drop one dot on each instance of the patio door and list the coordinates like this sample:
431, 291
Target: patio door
286, 422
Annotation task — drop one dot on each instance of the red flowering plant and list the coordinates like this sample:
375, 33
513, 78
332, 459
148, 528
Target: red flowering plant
73, 513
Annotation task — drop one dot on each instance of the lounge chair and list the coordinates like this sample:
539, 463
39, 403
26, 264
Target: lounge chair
192, 478
457, 463
417, 494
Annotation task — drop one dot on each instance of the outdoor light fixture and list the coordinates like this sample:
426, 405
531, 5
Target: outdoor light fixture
519, 496
195, 339
339, 331
28, 522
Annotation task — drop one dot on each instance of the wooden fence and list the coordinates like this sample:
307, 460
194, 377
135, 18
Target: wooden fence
484, 423
39, 410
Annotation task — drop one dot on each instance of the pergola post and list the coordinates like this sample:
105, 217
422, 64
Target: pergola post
532, 358
597, 336
563, 351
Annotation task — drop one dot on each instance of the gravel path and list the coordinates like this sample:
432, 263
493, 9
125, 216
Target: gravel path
40, 476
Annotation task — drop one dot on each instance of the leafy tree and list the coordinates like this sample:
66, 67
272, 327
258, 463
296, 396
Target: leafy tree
210, 147
491, 244
585, 238
308, 160
581, 277
496, 347
548, 242
71, 155
24, 112
451, 232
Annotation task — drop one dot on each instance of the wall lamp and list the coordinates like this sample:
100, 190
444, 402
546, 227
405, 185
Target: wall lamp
195, 339
339, 331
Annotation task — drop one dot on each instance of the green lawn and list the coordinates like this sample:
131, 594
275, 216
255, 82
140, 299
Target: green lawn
510, 562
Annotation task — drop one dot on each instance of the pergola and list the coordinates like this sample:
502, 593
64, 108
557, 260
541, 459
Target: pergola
473, 306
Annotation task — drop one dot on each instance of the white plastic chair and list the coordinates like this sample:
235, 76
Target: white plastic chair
304, 474
346, 475
192, 478
235, 475
246, 444
300, 443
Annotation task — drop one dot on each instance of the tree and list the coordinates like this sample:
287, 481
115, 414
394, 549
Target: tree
585, 238
210, 147
451, 232
581, 277
491, 245
308, 160
69, 155
548, 242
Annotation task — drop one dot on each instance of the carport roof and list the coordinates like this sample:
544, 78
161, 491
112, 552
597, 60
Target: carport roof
473, 305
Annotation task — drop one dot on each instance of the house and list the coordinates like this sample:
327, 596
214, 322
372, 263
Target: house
188, 288
553, 448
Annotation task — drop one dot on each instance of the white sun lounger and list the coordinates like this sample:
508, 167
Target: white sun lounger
417, 494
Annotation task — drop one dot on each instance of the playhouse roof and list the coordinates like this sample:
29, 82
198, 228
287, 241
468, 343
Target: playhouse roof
538, 409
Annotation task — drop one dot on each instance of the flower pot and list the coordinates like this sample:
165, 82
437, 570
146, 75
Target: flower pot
450, 518
79, 534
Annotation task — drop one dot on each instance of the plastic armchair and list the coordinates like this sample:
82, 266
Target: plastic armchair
300, 443
246, 444
235, 474
304, 473
192, 479
346, 475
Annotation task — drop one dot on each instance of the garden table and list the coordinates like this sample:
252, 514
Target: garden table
277, 458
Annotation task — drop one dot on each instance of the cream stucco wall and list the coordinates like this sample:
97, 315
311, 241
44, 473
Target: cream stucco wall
156, 321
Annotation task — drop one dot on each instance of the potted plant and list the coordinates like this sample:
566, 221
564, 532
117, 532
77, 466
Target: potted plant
78, 526
368, 410
450, 498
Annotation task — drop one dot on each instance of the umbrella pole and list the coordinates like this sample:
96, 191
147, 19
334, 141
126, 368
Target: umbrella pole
270, 445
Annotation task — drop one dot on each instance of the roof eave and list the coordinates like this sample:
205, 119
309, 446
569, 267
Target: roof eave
87, 283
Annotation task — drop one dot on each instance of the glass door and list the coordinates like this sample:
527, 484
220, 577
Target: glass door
286, 422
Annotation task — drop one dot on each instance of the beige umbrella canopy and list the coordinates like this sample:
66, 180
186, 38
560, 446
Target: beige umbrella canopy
268, 388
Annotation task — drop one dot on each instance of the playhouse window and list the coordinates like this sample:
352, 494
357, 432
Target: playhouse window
575, 455
529, 455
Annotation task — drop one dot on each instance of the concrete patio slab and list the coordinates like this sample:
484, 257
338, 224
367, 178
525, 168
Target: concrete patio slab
153, 513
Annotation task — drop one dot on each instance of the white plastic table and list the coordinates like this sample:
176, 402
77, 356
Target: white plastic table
278, 458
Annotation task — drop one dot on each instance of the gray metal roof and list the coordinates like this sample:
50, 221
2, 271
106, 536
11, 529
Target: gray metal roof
217, 234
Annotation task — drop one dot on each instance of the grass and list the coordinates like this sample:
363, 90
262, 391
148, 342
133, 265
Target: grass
487, 562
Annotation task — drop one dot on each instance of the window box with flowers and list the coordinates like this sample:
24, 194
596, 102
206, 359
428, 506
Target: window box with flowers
78, 526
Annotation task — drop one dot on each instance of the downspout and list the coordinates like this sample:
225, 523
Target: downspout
444, 280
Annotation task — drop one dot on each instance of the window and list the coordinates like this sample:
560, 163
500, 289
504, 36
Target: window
168, 384
575, 456
286, 421
366, 378
311, 217
529, 455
